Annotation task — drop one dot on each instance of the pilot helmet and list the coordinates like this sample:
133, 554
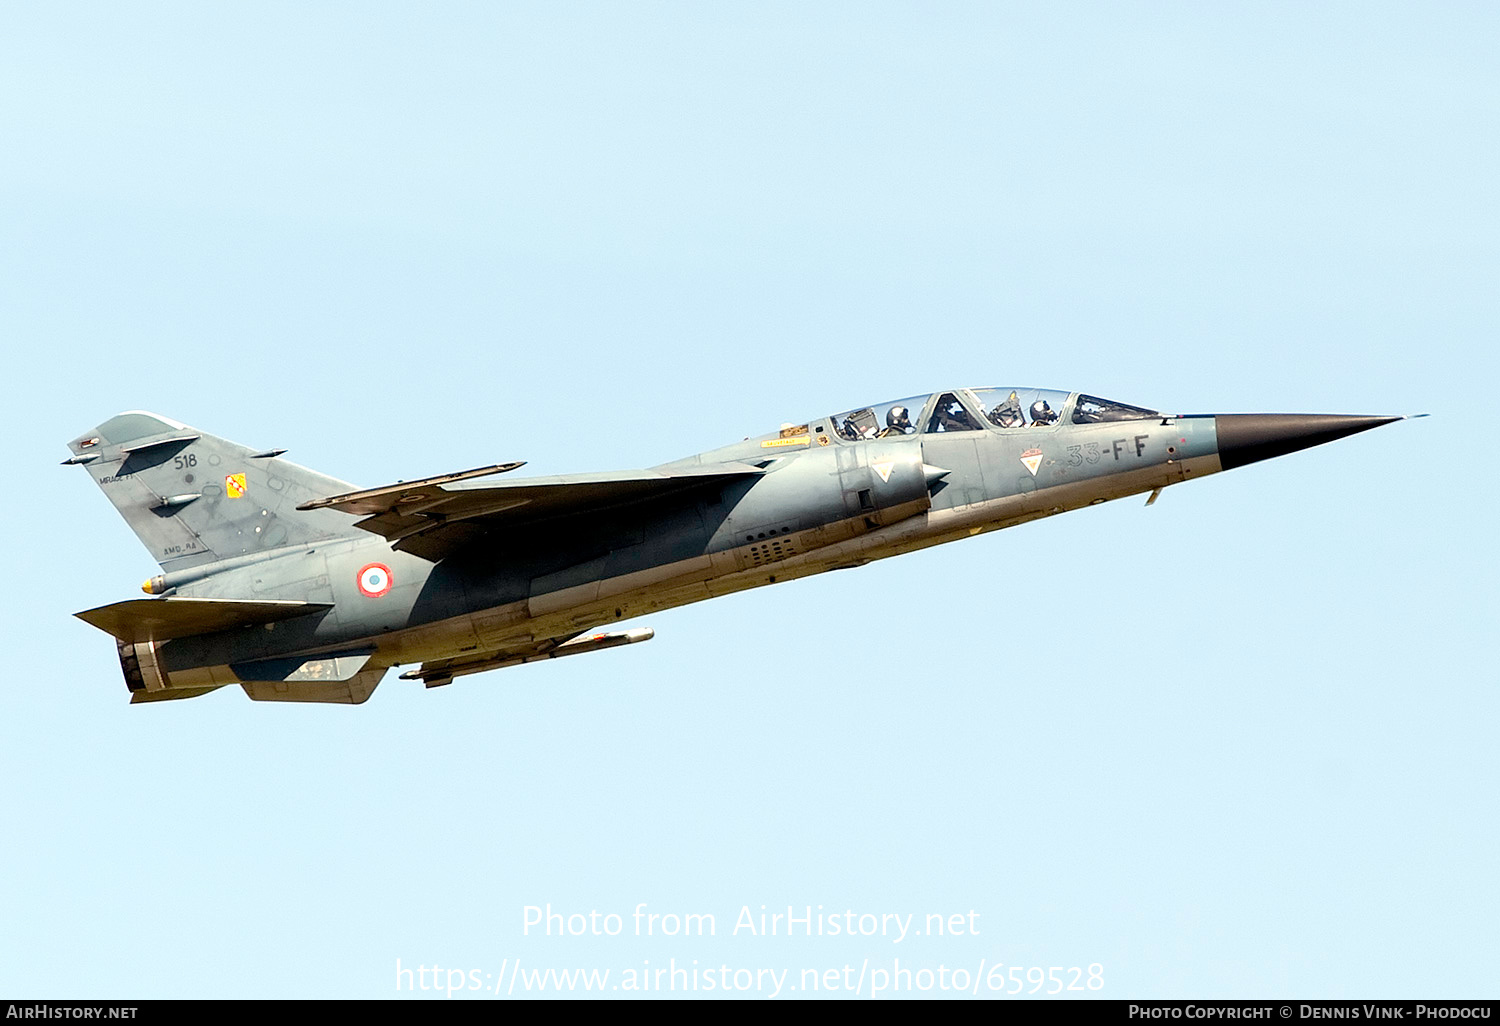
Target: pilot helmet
898, 417
1041, 413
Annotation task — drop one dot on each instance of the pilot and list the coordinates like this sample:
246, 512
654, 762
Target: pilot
1007, 414
1042, 414
897, 422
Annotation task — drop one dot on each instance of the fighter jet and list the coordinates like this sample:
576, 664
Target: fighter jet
300, 588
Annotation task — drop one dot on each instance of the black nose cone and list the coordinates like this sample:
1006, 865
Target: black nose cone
1252, 437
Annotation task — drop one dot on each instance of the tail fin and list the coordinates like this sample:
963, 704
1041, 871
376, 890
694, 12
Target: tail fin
194, 499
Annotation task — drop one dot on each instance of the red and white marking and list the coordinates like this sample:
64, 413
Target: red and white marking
374, 580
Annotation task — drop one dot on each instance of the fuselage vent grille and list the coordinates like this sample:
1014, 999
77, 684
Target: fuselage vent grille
772, 551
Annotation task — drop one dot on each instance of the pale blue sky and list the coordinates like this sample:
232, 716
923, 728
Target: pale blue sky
1238, 744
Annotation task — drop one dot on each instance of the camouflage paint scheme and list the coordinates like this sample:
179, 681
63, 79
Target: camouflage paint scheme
298, 587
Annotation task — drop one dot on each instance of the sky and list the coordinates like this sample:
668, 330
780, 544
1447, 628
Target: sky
1238, 744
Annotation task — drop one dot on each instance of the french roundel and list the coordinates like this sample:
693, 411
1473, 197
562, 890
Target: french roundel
374, 580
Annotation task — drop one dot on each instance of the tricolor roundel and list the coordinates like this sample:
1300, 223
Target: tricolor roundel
374, 580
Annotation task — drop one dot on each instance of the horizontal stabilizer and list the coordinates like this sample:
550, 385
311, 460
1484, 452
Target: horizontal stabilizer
166, 618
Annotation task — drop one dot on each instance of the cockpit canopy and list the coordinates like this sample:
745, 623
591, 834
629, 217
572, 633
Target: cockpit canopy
1092, 410
967, 409
1021, 407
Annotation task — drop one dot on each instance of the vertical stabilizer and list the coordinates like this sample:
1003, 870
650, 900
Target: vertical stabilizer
194, 499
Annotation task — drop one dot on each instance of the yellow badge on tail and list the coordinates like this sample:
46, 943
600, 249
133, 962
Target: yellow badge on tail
234, 486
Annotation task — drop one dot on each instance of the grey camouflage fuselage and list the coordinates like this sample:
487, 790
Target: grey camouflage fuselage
269, 581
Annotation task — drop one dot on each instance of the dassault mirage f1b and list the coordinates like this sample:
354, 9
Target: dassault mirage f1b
300, 588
